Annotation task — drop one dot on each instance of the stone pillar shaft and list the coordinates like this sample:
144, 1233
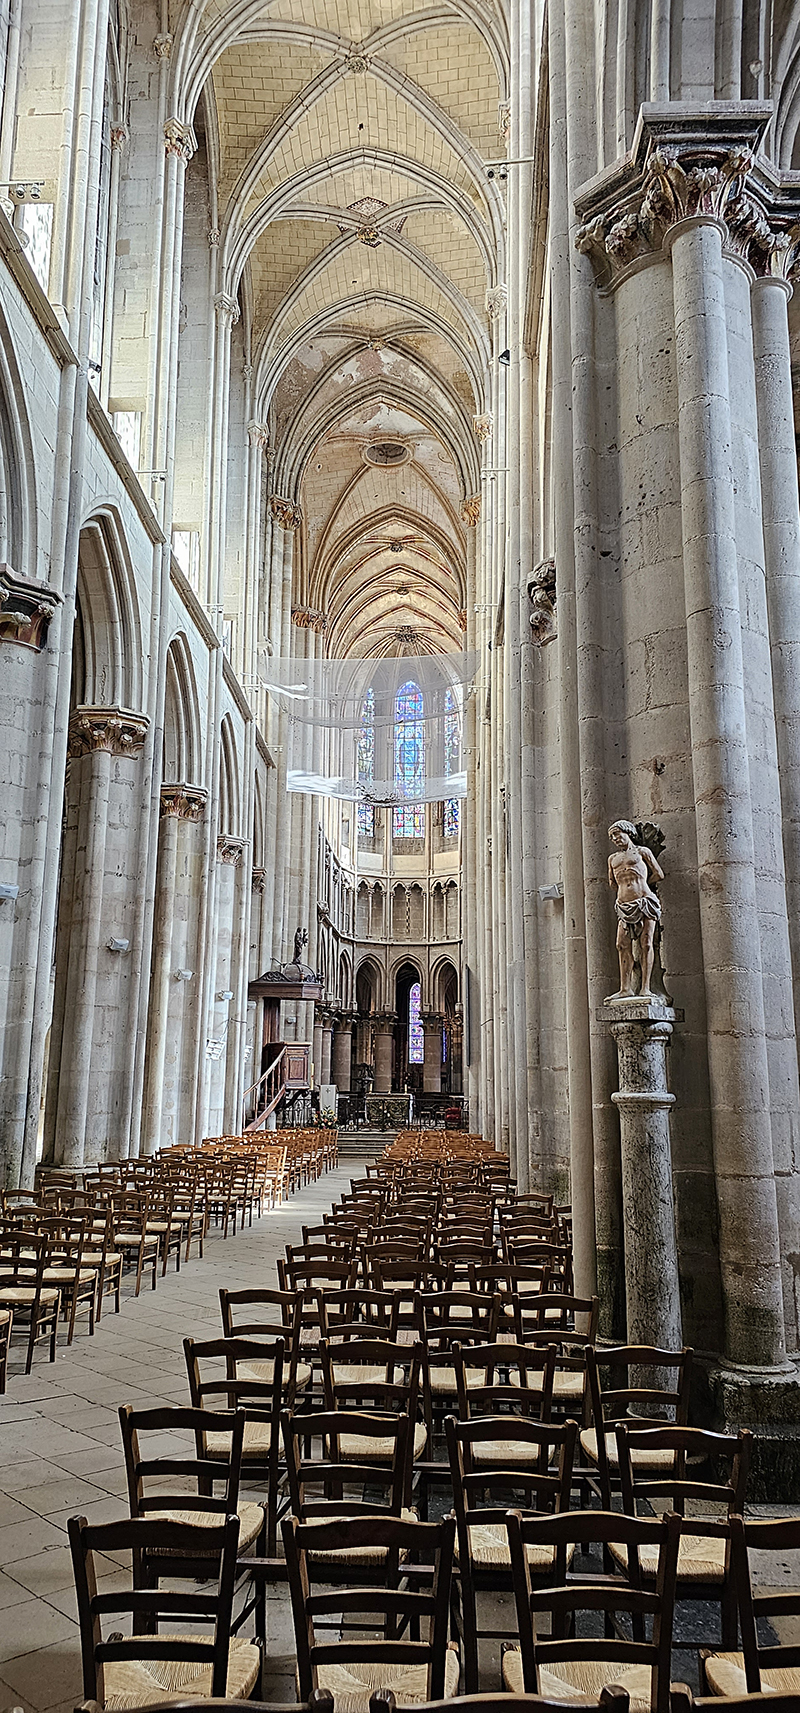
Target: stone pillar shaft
84, 953
384, 1054
341, 1065
432, 1065
737, 1058
327, 1038
158, 1019
643, 1101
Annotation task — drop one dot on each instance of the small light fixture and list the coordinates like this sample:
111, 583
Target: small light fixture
118, 945
184, 975
505, 357
7, 891
225, 993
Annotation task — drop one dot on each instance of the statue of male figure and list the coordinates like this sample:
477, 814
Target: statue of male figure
630, 868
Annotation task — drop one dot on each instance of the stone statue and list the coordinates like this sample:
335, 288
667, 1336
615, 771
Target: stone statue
631, 866
300, 940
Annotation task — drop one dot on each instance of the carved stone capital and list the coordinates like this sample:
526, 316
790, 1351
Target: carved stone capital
162, 46
116, 730
357, 61
26, 609
286, 514
307, 618
471, 511
496, 302
542, 595
461, 616
119, 135
483, 426
258, 434
230, 851
258, 879
183, 802
179, 139
213, 237
226, 308
684, 165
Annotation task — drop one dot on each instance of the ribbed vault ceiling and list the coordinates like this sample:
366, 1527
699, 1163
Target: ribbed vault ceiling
361, 234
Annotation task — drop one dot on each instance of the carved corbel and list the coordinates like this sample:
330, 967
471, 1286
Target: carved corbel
471, 511
117, 730
308, 618
183, 802
230, 851
287, 515
26, 609
542, 596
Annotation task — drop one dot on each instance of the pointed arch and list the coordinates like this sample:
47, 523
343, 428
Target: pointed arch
181, 717
109, 652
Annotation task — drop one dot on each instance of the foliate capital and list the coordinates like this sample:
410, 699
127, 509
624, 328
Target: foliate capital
183, 802
471, 511
226, 307
286, 514
179, 139
483, 426
119, 135
162, 46
116, 730
258, 435
26, 608
308, 618
496, 302
230, 851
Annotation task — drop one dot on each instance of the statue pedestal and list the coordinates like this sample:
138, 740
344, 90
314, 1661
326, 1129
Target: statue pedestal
641, 1029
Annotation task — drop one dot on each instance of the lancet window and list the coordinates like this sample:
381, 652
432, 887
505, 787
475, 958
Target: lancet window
409, 766
366, 764
416, 1038
451, 758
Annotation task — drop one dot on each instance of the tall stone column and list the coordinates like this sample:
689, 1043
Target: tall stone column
737, 1054
179, 803
432, 1026
316, 1050
341, 1064
384, 1052
642, 1029
97, 737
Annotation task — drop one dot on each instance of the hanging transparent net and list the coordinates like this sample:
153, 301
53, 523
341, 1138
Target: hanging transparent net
386, 731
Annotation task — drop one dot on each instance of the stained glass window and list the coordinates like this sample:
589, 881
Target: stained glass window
409, 760
366, 764
451, 759
416, 1037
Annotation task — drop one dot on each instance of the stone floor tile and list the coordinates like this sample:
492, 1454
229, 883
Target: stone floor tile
71, 1491
44, 1572
48, 1676
34, 1624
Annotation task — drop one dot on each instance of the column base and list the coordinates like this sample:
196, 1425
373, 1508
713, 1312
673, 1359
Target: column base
766, 1400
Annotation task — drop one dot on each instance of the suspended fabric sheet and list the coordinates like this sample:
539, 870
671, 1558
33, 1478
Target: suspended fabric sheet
375, 732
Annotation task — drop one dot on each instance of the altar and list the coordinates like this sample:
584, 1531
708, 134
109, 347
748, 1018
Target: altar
389, 1111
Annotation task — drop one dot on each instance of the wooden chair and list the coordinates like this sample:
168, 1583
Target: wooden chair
269, 1314
704, 1558
179, 1488
317, 1483
762, 1666
318, 1702
153, 1666
584, 1664
683, 1701
69, 1237
248, 1374
504, 1379
375, 1375
481, 1496
352, 1668
446, 1318
571, 1324
638, 1394
140, 1248
23, 1258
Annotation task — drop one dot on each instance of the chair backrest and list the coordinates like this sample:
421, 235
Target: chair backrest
492, 1378
573, 1591
142, 1538
779, 1536
547, 1487
445, 1318
638, 1390
316, 1483
380, 1374
358, 1314
181, 1478
612, 1700
395, 1539
266, 1314
690, 1447
232, 1362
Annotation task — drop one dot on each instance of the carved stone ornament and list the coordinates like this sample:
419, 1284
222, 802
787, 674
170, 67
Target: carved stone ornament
684, 177
504, 120
471, 511
213, 237
483, 426
542, 594
230, 851
259, 879
119, 135
357, 61
162, 46
308, 618
461, 617
226, 307
496, 302
116, 730
286, 514
258, 435
179, 139
26, 609
183, 802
